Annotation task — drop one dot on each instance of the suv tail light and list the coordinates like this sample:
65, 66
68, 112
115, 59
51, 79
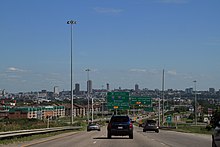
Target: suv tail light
131, 126
109, 126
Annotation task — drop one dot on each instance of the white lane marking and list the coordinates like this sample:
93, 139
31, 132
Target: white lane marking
162, 143
94, 142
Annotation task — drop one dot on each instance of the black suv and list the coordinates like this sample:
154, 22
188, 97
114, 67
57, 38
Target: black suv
216, 134
120, 126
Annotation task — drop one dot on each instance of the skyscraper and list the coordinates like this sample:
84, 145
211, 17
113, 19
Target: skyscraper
107, 86
77, 88
56, 90
89, 86
136, 87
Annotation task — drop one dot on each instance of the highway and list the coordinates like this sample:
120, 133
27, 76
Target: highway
141, 139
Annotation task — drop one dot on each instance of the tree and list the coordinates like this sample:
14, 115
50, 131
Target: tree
215, 117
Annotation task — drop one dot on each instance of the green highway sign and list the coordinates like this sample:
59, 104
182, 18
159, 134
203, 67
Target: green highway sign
148, 109
141, 100
118, 100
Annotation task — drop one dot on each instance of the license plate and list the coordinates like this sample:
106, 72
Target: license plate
120, 127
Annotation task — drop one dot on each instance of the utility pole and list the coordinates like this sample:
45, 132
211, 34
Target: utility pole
159, 111
92, 109
163, 97
195, 105
88, 93
71, 22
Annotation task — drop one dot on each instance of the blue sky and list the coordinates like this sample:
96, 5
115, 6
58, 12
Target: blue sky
123, 42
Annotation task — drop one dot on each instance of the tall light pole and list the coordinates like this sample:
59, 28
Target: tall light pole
163, 97
88, 92
71, 22
195, 104
159, 111
92, 109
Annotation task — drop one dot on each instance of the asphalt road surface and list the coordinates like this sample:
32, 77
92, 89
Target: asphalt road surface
141, 139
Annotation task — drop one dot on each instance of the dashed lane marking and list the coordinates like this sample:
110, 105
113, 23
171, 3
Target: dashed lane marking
162, 143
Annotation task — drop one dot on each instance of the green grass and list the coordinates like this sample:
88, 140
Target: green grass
193, 129
18, 124
30, 138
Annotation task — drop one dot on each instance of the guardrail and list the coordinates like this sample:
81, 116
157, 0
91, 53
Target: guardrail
167, 127
35, 131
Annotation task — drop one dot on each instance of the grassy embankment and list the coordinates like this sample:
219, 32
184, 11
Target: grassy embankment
26, 124
191, 128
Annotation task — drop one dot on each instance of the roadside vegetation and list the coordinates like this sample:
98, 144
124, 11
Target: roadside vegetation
26, 124
30, 138
194, 129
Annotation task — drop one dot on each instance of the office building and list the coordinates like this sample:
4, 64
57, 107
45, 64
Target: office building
107, 86
89, 86
77, 88
212, 90
189, 90
136, 88
56, 90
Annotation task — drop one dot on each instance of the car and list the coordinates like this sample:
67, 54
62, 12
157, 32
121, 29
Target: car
216, 135
151, 125
120, 125
93, 126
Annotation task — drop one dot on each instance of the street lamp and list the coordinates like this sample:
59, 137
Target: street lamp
88, 92
195, 104
163, 98
159, 111
71, 22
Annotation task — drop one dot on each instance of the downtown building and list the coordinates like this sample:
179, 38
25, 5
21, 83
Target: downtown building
89, 86
33, 112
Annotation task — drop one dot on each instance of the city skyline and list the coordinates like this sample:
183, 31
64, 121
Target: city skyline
77, 90
123, 43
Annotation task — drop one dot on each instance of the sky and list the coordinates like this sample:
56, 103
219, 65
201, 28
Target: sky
122, 42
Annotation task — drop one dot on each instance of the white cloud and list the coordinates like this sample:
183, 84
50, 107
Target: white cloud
108, 10
187, 76
146, 71
138, 70
14, 69
172, 72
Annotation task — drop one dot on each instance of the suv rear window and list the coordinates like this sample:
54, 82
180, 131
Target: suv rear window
120, 119
151, 121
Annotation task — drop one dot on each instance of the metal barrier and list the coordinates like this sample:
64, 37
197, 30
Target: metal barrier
35, 131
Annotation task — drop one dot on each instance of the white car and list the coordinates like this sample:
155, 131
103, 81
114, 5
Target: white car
93, 126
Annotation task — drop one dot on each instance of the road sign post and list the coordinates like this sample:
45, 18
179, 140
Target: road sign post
169, 119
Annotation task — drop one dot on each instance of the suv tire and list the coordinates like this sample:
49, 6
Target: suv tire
131, 136
109, 135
